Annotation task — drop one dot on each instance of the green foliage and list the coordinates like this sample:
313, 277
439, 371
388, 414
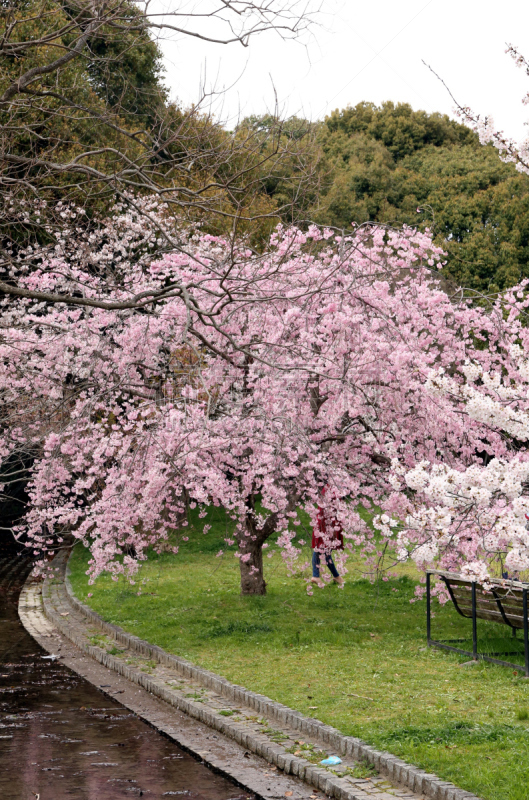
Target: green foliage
68, 127
401, 130
126, 70
384, 163
97, 121
290, 172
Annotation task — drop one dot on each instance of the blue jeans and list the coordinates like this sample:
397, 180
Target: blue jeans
328, 561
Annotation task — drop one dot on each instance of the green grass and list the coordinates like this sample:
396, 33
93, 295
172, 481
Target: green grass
354, 658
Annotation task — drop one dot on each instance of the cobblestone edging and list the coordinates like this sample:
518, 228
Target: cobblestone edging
58, 600
223, 755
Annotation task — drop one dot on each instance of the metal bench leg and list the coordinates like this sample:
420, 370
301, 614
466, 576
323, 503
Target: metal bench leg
474, 625
428, 609
525, 632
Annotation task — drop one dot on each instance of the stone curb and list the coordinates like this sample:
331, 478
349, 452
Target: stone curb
395, 769
217, 752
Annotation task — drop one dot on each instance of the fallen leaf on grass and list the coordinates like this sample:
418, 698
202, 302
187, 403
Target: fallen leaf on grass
361, 696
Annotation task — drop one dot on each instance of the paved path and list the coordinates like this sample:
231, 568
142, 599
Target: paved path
291, 743
63, 738
217, 751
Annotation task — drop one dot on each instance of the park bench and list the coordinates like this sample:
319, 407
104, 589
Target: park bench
502, 601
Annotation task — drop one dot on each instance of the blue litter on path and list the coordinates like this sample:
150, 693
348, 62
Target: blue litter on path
331, 761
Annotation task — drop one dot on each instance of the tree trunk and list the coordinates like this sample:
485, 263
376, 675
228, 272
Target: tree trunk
252, 578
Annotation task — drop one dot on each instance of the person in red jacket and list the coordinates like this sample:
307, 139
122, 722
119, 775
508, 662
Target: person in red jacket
327, 536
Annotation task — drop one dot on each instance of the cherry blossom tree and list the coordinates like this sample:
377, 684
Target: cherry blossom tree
476, 519
510, 151
253, 381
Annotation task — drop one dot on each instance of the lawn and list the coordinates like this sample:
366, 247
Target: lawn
354, 658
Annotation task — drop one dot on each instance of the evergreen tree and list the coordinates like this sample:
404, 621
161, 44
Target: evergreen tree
394, 165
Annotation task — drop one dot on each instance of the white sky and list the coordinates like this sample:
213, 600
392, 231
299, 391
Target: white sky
369, 51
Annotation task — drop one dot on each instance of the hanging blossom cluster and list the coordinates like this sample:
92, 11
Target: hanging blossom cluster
510, 151
212, 375
476, 519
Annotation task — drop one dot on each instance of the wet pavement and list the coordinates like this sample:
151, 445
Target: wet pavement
62, 738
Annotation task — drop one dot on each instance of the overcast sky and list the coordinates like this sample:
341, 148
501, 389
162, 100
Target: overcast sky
369, 51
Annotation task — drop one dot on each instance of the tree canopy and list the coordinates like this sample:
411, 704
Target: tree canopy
214, 374
86, 119
394, 165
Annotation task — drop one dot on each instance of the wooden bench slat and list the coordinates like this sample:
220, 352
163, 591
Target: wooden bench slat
504, 583
516, 608
507, 594
481, 602
464, 591
493, 616
481, 614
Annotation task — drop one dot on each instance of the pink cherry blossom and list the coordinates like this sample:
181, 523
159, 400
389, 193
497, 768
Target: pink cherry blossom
253, 382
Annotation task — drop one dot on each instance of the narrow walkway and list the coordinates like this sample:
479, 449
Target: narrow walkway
218, 752
61, 738
292, 743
